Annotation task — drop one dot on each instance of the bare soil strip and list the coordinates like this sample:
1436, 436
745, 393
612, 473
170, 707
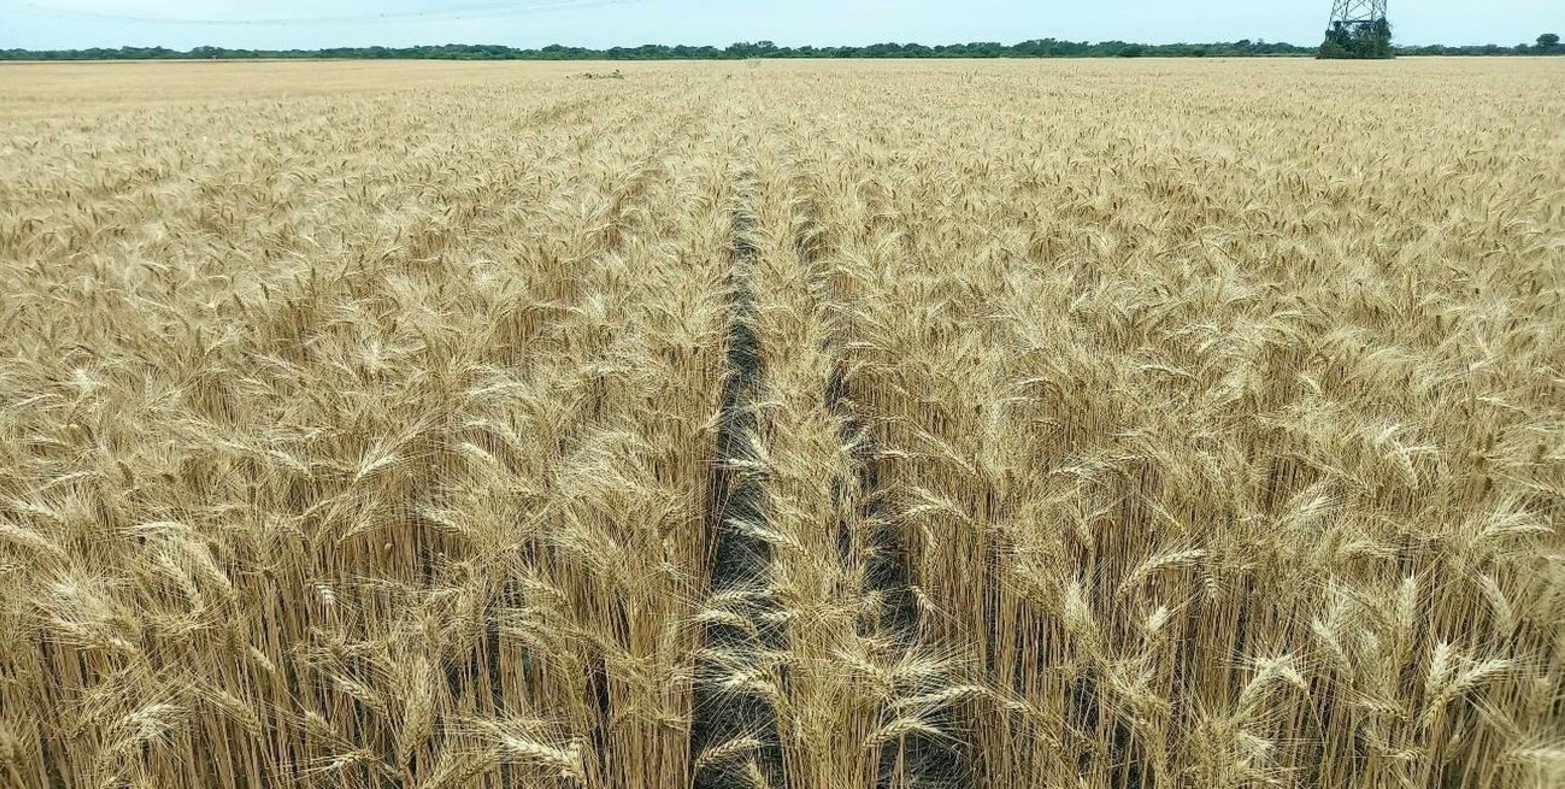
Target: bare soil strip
734, 732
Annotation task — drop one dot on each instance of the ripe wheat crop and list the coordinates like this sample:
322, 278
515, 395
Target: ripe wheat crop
826, 425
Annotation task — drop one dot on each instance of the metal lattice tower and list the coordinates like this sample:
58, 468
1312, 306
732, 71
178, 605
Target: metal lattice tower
1352, 13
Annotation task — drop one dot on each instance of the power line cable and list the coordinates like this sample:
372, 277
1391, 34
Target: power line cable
471, 10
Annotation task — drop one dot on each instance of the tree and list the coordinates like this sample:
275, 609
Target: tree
1364, 41
1338, 44
1548, 42
1374, 39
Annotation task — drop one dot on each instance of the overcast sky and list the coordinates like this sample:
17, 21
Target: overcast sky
282, 24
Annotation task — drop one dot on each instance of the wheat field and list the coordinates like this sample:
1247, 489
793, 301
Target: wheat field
816, 425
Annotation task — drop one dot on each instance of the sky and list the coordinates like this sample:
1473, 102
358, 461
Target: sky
310, 24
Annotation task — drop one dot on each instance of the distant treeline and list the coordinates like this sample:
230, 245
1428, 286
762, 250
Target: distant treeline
1038, 48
